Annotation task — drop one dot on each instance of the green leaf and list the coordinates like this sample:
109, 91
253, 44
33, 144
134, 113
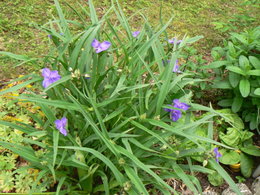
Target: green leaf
254, 72
101, 157
216, 64
232, 118
55, 146
17, 57
225, 175
225, 102
132, 175
19, 86
184, 177
234, 79
215, 179
144, 167
243, 61
222, 85
231, 138
229, 157
241, 38
55, 103
244, 87
255, 62
194, 39
23, 151
257, 91
246, 165
236, 69
252, 150
93, 14
237, 103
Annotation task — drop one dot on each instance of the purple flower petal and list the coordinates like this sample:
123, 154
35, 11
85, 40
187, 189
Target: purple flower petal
174, 40
136, 33
46, 72
46, 83
61, 125
175, 115
176, 66
169, 109
171, 41
104, 45
95, 43
180, 105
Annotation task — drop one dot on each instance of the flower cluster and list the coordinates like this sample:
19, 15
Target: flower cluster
176, 114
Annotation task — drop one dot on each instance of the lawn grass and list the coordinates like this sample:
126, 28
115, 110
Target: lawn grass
19, 35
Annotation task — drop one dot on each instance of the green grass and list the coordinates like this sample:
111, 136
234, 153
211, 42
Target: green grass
19, 35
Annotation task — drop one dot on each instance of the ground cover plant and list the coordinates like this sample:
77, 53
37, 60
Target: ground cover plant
237, 71
118, 118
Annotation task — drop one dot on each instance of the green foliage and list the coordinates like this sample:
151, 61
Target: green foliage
240, 140
215, 179
237, 71
120, 139
240, 179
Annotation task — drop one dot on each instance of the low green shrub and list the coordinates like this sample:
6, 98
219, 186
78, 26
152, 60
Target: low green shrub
118, 116
237, 71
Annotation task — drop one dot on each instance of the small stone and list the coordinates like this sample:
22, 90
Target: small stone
256, 186
242, 187
256, 172
210, 193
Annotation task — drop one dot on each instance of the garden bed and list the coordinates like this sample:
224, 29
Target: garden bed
117, 109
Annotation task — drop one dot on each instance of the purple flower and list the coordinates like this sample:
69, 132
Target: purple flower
180, 105
136, 33
172, 41
176, 114
176, 67
61, 125
49, 77
99, 47
50, 36
217, 154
